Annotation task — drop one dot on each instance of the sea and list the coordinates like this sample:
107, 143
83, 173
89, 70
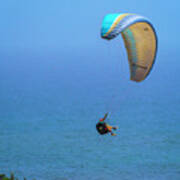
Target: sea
50, 104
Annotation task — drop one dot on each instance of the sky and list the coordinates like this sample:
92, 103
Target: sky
57, 41
42, 26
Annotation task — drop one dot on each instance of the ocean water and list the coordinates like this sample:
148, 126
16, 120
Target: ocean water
49, 108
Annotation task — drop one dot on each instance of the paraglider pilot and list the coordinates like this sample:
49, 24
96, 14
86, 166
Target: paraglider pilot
104, 128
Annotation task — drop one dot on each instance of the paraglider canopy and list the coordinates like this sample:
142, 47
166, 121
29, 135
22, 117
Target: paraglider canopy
140, 40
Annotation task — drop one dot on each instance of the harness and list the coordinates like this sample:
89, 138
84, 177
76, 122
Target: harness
101, 128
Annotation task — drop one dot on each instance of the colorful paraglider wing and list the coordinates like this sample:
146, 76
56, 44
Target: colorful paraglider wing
140, 40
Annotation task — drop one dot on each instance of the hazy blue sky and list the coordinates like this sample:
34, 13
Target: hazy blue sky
50, 42
44, 25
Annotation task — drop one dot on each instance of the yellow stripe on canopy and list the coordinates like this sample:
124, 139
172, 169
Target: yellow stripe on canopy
119, 18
